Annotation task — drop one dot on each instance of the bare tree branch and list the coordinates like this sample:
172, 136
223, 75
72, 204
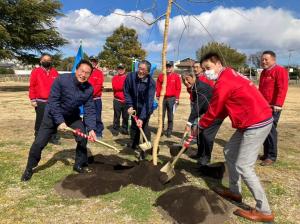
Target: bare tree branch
203, 26
141, 18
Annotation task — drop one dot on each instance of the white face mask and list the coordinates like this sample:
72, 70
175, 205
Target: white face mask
210, 74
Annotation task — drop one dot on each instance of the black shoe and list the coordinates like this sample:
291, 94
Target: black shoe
115, 132
81, 169
124, 131
168, 134
132, 146
55, 142
203, 161
27, 175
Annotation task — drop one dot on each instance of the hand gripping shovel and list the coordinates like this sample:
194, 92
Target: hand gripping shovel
167, 170
77, 132
146, 145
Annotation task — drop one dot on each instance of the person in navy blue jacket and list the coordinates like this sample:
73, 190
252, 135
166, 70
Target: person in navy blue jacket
68, 93
139, 91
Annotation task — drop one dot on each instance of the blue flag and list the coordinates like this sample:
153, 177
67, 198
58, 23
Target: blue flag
78, 58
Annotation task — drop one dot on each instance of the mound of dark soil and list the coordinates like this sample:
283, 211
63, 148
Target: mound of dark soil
189, 204
110, 173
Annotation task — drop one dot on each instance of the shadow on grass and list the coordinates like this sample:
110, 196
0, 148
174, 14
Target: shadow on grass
14, 88
62, 156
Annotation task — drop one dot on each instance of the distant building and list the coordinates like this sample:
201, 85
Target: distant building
184, 65
14, 64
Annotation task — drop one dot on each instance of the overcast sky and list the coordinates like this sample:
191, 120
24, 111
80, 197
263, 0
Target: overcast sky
247, 25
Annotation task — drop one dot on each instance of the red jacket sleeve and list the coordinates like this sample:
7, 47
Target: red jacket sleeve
159, 83
216, 107
33, 85
281, 86
178, 87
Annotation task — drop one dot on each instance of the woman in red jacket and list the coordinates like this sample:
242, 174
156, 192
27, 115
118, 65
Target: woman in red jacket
237, 97
119, 102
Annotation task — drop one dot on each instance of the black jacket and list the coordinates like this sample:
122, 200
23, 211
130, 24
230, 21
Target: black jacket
139, 94
201, 95
66, 96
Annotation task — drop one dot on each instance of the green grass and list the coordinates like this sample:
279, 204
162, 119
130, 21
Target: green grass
136, 202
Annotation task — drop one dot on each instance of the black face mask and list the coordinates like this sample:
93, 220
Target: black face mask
46, 64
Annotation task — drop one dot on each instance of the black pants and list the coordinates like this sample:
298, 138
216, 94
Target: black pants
205, 141
48, 128
99, 123
120, 109
39, 114
135, 132
270, 144
168, 106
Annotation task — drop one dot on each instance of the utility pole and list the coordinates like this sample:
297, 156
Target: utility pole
290, 55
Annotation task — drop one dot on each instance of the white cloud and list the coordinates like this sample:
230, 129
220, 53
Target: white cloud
245, 29
154, 46
93, 29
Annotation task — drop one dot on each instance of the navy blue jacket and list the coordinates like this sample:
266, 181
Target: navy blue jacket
66, 96
201, 95
139, 94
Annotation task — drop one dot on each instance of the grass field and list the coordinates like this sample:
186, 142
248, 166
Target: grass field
37, 201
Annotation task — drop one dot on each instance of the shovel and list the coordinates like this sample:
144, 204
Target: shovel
79, 133
146, 145
167, 170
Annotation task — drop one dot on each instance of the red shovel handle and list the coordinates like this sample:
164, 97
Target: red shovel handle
79, 133
188, 141
136, 119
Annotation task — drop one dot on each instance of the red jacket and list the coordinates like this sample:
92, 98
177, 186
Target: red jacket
40, 83
118, 87
96, 80
173, 85
236, 96
204, 79
273, 85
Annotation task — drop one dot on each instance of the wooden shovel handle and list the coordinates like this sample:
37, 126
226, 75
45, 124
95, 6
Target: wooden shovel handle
186, 144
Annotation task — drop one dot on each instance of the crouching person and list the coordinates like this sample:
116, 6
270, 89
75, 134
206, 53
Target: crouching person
67, 94
139, 91
236, 96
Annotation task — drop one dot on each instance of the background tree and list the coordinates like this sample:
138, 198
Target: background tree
121, 47
27, 28
231, 57
254, 59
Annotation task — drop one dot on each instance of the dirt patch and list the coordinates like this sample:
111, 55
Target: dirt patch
111, 173
189, 204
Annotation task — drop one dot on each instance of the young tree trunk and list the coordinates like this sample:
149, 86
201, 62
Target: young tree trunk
163, 91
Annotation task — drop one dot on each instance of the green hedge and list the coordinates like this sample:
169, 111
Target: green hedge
6, 71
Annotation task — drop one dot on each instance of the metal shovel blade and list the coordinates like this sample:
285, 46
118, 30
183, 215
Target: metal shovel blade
168, 173
145, 146
167, 167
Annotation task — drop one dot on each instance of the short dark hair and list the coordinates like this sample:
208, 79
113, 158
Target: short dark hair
45, 54
147, 63
83, 61
212, 56
272, 53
